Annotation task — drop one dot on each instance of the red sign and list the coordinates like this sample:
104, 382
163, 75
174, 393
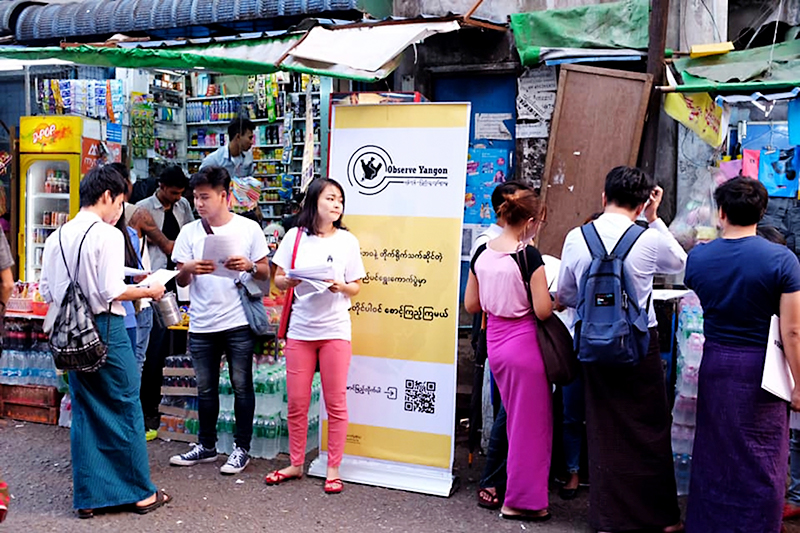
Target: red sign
92, 152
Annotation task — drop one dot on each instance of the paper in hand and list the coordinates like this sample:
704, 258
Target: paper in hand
218, 248
777, 378
133, 272
161, 276
313, 279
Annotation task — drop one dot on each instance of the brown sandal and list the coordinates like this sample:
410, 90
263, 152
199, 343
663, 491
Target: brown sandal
162, 498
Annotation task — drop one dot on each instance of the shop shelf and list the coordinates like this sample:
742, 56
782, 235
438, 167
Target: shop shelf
218, 97
165, 90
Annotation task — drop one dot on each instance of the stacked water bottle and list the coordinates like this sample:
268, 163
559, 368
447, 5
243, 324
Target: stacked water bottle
270, 427
26, 357
690, 354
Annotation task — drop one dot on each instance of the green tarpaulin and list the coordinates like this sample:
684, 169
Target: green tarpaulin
746, 70
621, 25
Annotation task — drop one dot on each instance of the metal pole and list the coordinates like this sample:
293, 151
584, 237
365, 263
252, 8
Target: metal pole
27, 90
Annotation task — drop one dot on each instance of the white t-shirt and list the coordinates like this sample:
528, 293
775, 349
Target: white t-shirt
322, 315
215, 302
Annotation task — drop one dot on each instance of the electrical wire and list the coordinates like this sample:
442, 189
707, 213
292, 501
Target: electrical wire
774, 38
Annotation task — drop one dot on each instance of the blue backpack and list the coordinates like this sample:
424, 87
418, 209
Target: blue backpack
611, 327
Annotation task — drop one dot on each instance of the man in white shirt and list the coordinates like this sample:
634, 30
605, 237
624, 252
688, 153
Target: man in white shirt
235, 157
627, 414
217, 319
160, 218
109, 456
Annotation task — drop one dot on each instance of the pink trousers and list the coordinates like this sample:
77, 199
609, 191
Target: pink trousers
301, 362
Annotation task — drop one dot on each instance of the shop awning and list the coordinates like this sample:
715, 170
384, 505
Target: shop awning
757, 69
361, 52
617, 25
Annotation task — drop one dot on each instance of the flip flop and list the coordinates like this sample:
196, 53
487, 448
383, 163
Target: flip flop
487, 500
84, 514
525, 517
162, 498
276, 478
333, 486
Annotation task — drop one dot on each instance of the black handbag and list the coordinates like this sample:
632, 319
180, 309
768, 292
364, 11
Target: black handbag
555, 343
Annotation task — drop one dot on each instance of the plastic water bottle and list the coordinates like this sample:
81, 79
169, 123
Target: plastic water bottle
683, 472
256, 441
283, 446
223, 435
65, 414
271, 438
5, 368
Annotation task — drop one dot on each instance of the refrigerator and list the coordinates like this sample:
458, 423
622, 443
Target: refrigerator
50, 171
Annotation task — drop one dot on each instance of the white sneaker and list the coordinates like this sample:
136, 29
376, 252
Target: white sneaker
237, 462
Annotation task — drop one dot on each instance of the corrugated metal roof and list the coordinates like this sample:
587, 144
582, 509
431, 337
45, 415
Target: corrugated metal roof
104, 17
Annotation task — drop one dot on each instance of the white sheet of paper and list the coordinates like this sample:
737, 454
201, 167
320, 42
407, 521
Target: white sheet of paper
551, 267
777, 378
311, 286
218, 248
662, 295
135, 272
161, 276
313, 273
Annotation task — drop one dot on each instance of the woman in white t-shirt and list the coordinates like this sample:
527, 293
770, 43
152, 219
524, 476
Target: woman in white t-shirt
319, 329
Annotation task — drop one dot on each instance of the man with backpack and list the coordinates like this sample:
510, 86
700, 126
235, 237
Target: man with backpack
606, 275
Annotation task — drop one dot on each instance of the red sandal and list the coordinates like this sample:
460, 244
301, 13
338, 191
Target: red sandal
276, 478
333, 486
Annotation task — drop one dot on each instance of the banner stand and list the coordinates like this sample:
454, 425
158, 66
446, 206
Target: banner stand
388, 474
403, 169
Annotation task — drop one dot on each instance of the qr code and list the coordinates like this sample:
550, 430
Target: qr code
420, 396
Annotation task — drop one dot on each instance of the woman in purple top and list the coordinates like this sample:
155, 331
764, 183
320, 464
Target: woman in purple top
740, 454
496, 287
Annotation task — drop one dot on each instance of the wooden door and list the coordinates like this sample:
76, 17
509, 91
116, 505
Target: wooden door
597, 125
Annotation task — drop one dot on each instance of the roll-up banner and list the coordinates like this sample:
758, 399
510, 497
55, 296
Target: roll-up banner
403, 168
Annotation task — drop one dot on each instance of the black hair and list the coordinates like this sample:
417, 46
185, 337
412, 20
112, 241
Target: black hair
504, 190
772, 234
122, 169
173, 176
628, 187
131, 257
743, 200
240, 126
214, 177
99, 180
308, 217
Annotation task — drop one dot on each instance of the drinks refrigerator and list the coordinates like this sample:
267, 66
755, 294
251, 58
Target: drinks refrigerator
50, 164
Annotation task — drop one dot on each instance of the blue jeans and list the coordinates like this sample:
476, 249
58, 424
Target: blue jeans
793, 493
207, 350
494, 473
574, 417
144, 323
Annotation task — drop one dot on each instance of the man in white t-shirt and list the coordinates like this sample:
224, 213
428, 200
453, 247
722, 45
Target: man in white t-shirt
217, 319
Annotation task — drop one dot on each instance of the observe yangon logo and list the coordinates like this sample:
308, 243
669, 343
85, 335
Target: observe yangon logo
371, 170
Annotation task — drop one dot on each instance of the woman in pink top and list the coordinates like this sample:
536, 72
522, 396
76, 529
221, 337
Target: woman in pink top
495, 286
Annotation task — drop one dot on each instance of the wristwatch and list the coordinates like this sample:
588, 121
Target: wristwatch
254, 269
